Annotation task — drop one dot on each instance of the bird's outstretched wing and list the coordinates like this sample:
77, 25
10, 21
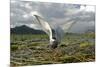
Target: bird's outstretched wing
67, 26
44, 25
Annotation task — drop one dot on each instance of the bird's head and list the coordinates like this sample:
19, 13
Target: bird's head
54, 38
53, 43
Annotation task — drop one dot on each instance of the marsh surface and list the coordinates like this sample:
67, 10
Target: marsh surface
32, 49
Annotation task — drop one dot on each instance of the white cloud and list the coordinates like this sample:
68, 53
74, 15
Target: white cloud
26, 16
27, 5
34, 26
87, 8
90, 8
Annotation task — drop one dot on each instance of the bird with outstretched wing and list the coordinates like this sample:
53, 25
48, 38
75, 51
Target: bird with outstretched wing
55, 38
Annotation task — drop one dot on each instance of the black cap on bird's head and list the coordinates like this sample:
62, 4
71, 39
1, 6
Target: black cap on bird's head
54, 38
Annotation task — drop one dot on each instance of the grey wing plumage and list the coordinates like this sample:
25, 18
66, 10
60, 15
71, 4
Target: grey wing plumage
67, 26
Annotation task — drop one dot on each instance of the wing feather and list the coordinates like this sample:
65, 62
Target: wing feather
67, 26
44, 25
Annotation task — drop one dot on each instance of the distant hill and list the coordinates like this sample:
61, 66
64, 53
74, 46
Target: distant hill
25, 30
92, 29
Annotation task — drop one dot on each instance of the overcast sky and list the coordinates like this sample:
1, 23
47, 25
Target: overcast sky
54, 13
